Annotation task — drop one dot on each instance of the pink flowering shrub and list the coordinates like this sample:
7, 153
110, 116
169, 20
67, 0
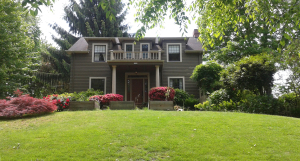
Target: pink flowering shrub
24, 105
105, 99
161, 94
61, 101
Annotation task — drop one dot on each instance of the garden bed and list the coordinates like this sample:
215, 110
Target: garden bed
83, 105
161, 105
121, 105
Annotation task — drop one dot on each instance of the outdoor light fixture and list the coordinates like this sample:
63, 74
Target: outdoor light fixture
135, 70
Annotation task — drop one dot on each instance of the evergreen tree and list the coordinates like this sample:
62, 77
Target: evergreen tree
87, 19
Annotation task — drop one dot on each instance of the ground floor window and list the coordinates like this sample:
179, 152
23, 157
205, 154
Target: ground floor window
176, 82
98, 83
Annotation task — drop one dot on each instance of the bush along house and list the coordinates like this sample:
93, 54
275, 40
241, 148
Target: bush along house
122, 65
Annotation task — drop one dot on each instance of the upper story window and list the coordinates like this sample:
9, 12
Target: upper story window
99, 52
174, 52
129, 48
145, 50
176, 82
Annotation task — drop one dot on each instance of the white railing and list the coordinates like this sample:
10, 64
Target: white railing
136, 55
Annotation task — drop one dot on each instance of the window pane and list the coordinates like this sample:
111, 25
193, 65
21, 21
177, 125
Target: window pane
100, 53
98, 84
128, 47
145, 47
173, 49
176, 83
174, 52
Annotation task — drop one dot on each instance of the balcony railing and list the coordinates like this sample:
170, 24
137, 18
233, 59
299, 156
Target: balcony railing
136, 55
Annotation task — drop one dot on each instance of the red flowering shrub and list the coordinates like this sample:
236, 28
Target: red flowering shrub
61, 101
161, 93
105, 99
25, 105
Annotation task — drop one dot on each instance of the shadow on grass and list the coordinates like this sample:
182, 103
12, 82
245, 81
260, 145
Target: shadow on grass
25, 117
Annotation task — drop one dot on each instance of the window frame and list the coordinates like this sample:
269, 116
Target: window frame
141, 45
177, 77
93, 52
132, 54
180, 51
90, 82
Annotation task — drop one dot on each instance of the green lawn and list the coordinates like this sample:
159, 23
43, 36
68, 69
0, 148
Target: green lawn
150, 135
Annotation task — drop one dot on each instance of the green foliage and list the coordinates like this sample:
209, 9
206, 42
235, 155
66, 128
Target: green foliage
84, 95
33, 6
205, 106
180, 97
290, 60
207, 75
16, 46
254, 73
291, 104
218, 96
190, 103
152, 13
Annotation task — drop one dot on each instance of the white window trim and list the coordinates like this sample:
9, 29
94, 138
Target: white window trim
93, 55
180, 50
183, 81
145, 44
90, 82
142, 51
132, 56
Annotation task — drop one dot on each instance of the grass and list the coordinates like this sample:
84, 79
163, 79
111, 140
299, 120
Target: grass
150, 135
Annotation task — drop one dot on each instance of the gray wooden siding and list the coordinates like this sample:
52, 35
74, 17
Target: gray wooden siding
184, 68
82, 68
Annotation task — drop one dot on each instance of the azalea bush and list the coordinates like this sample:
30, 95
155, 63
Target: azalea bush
61, 101
23, 105
161, 94
105, 99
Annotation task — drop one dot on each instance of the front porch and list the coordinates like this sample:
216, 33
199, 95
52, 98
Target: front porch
134, 81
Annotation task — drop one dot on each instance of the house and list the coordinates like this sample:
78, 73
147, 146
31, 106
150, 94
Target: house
128, 67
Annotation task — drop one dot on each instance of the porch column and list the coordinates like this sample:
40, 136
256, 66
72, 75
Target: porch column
114, 78
157, 75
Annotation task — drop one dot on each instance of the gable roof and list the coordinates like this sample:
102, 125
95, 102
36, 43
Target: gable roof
193, 45
81, 46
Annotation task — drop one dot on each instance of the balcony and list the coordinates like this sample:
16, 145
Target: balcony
133, 56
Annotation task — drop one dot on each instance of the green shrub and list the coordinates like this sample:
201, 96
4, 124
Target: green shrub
218, 96
261, 104
180, 97
190, 103
84, 95
290, 104
205, 106
229, 106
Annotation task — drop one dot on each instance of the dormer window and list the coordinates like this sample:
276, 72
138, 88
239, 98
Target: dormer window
99, 52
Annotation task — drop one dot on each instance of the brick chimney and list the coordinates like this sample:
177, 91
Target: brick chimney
196, 33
